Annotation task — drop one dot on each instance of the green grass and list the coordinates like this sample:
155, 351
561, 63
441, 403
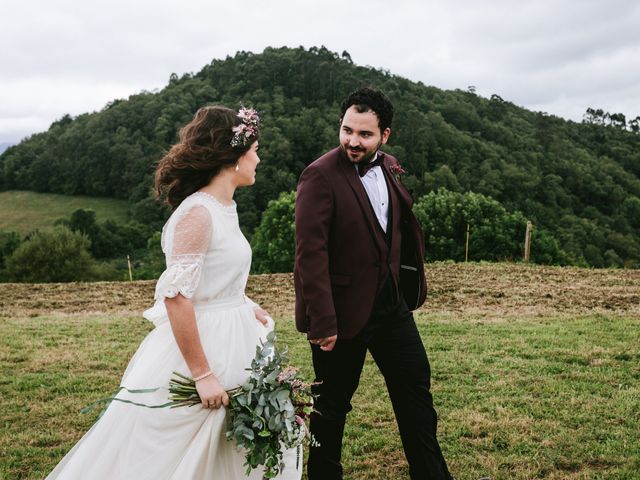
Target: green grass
523, 398
23, 211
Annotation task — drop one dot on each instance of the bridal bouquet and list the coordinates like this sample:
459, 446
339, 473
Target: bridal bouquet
266, 414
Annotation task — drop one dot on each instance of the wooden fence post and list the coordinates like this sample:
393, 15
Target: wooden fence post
130, 274
466, 250
527, 242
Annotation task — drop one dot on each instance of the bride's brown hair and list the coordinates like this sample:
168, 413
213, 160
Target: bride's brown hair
203, 150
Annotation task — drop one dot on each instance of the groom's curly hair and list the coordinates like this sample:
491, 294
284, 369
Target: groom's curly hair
370, 99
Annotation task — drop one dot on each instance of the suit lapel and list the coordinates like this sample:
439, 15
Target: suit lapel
393, 227
351, 174
398, 188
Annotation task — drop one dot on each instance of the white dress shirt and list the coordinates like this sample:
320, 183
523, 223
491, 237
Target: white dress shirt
376, 188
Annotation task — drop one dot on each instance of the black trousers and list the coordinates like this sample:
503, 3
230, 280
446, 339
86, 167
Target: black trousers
392, 338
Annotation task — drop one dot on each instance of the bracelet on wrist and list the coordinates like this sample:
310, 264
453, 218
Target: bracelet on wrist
208, 373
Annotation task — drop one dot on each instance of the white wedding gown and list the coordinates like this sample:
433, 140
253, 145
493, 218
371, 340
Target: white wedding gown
208, 261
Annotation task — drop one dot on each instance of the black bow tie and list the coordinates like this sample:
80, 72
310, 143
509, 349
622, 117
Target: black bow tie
363, 168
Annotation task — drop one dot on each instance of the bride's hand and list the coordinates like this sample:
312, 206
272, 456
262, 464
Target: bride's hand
262, 316
211, 392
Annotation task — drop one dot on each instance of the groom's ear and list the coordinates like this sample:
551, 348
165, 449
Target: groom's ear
385, 135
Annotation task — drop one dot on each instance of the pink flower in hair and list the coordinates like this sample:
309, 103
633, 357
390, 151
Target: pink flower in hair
247, 129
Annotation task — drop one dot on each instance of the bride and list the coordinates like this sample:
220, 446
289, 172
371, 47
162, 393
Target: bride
205, 326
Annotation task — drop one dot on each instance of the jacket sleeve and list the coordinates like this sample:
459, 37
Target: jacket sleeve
314, 213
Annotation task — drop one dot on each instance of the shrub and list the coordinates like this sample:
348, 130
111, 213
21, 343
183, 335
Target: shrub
274, 240
56, 255
495, 233
9, 241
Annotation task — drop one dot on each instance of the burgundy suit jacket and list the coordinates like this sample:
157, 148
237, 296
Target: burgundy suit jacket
339, 251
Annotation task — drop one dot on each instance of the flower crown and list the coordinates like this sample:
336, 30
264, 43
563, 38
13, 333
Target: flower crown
247, 129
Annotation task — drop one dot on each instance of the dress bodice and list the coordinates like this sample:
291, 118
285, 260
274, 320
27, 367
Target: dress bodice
208, 258
227, 261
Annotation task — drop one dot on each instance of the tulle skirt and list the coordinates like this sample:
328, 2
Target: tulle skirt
130, 442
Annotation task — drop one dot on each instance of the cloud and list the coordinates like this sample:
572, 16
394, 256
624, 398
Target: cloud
67, 56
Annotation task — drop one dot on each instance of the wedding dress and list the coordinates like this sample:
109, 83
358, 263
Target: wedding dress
208, 261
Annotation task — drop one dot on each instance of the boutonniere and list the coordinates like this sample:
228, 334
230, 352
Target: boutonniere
397, 171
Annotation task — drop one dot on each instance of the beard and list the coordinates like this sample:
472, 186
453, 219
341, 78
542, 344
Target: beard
367, 154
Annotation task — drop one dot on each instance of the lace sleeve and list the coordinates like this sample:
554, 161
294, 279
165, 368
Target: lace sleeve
187, 245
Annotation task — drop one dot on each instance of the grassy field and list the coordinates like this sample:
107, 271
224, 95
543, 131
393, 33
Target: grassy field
536, 371
25, 211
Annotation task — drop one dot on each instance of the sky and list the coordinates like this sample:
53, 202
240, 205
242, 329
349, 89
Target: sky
555, 56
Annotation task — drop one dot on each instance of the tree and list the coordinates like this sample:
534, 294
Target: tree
594, 116
631, 210
442, 177
56, 255
84, 221
152, 263
9, 241
274, 239
618, 120
150, 212
110, 239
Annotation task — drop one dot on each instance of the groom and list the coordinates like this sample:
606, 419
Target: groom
358, 274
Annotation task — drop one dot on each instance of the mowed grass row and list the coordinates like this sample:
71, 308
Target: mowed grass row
525, 398
24, 211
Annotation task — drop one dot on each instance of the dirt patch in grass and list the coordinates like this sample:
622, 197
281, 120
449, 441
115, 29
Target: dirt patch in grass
24, 299
494, 291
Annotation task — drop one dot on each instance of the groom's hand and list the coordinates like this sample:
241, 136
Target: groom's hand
327, 343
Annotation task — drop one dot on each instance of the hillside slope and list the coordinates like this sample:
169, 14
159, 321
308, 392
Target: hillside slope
24, 211
578, 181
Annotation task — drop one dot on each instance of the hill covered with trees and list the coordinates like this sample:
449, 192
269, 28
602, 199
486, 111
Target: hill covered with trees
578, 182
